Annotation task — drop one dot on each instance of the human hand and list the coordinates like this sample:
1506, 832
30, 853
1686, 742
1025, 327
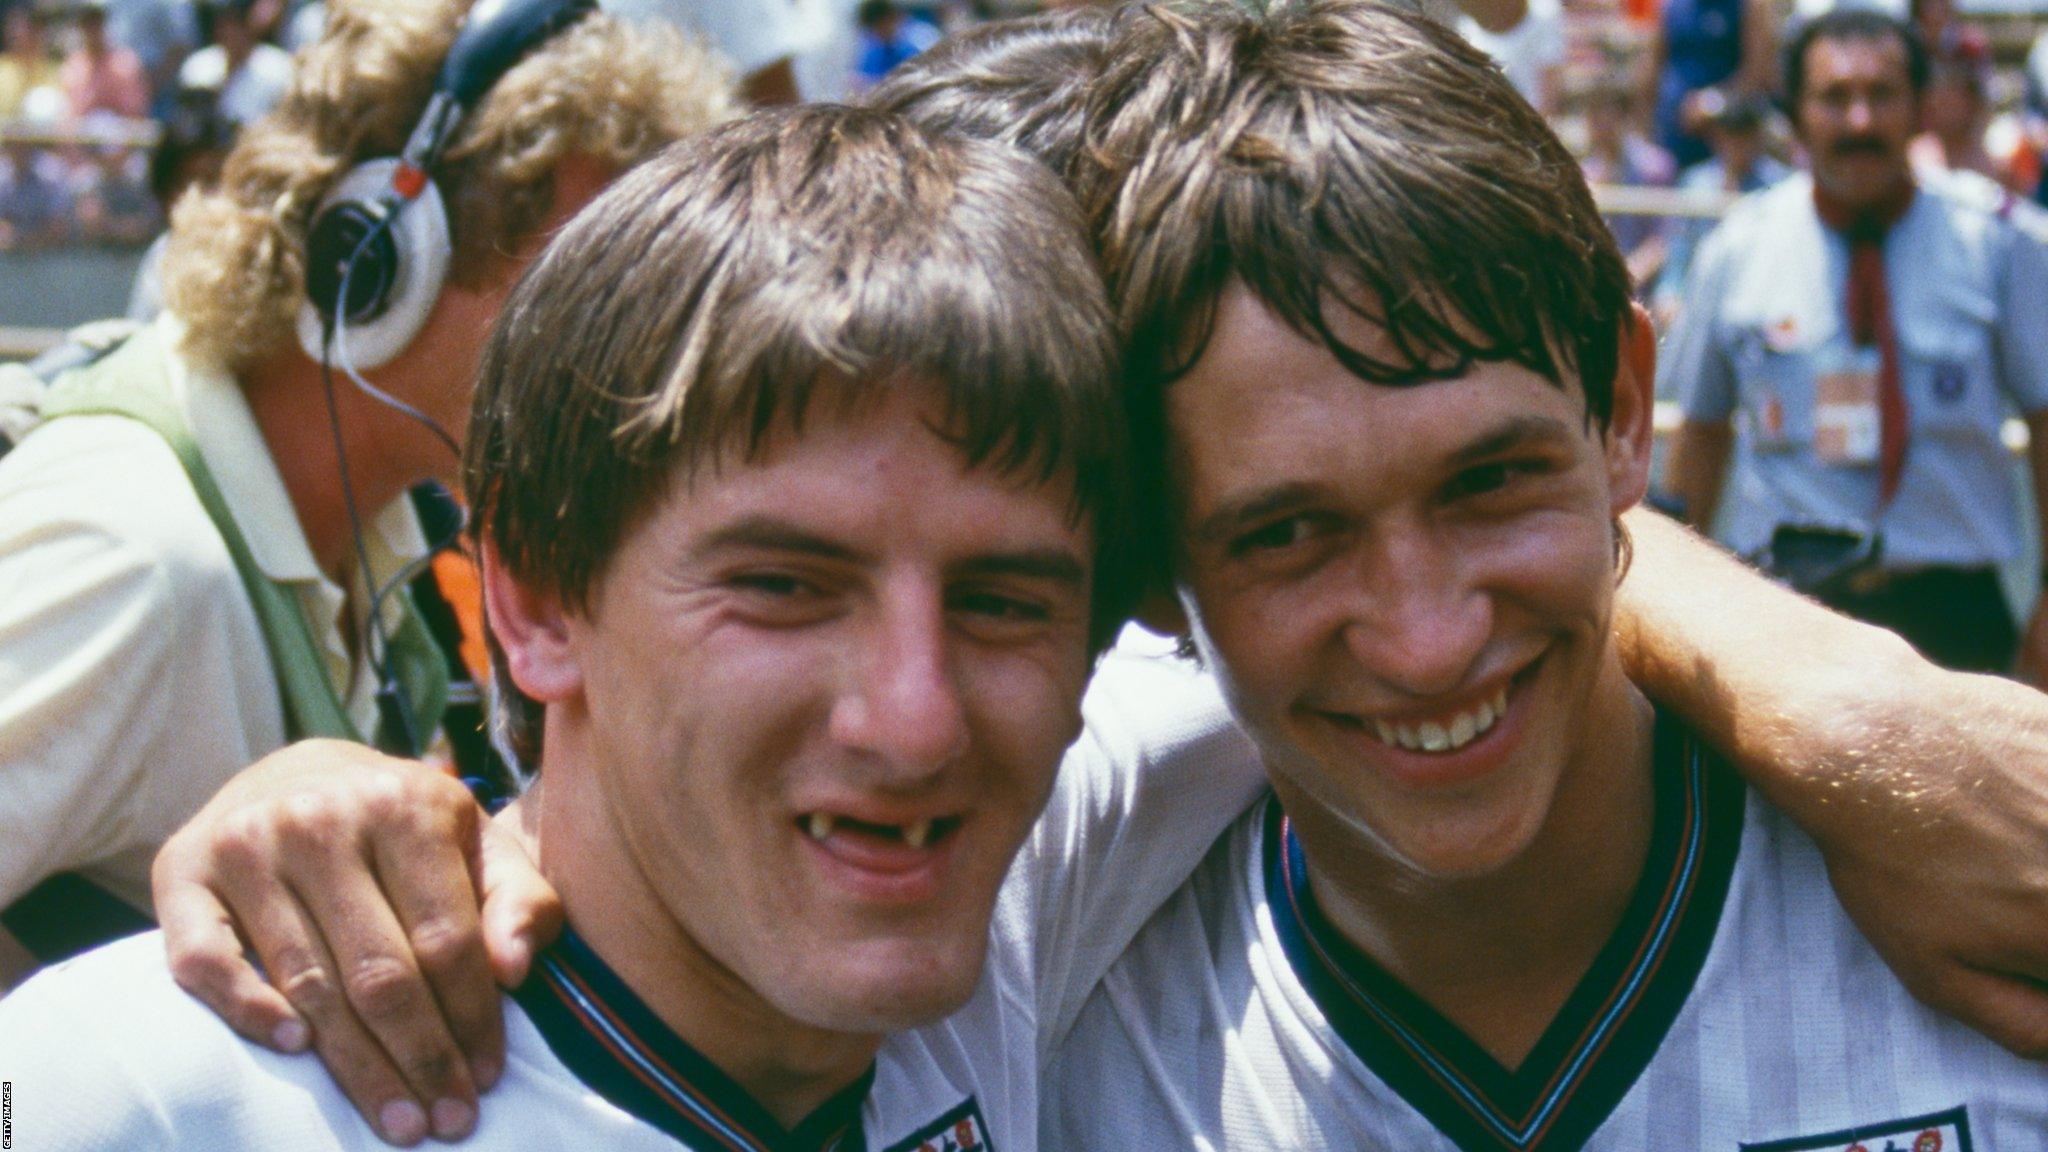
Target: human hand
1935, 830
354, 879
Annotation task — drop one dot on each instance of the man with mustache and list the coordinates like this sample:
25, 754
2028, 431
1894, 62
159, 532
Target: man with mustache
1872, 329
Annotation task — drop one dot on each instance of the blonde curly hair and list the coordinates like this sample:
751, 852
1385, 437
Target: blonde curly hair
235, 267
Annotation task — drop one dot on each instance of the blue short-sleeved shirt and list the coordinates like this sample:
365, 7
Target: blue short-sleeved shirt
1968, 277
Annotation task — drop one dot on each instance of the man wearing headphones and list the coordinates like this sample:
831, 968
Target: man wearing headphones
206, 555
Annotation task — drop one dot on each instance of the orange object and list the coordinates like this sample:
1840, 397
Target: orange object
462, 587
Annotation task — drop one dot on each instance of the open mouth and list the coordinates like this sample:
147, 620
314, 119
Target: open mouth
823, 827
1438, 735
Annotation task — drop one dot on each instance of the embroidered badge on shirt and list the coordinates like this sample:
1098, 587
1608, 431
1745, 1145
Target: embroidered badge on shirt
1951, 380
1938, 1132
960, 1130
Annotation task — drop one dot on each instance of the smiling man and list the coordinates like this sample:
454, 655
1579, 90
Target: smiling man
1498, 900
797, 471
1152, 770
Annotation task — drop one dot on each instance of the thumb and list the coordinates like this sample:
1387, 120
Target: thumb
522, 913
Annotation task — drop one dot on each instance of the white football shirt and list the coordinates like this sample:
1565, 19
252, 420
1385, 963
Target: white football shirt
106, 1052
1735, 1007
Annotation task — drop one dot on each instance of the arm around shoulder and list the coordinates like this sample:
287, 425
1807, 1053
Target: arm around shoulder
1926, 790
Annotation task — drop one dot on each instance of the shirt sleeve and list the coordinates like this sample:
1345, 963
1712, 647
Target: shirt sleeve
2022, 329
1694, 364
1159, 772
105, 641
73, 1088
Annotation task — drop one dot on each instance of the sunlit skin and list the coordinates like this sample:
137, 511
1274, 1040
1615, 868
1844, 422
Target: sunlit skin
1857, 115
856, 626
1359, 554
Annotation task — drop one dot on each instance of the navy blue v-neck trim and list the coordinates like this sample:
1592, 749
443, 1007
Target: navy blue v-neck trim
618, 1048
1611, 1025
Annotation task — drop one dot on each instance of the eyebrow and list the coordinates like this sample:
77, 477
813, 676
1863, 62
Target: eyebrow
1256, 506
1054, 564
1515, 432
773, 534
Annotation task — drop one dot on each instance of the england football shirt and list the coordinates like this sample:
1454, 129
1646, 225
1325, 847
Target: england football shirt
1735, 1007
106, 1052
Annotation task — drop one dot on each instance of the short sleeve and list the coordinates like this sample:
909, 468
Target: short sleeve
117, 649
1694, 365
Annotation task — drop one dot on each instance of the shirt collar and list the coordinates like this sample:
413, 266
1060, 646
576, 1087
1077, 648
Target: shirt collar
621, 1050
240, 460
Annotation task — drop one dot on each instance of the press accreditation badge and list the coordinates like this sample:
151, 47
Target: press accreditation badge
1847, 422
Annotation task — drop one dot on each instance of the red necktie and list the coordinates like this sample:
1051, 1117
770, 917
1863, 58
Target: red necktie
1869, 307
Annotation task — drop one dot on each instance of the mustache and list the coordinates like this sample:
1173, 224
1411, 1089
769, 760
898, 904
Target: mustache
1860, 146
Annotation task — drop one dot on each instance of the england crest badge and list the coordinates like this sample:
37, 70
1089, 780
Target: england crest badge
1936, 1132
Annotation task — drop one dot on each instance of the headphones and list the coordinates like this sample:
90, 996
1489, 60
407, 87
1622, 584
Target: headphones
378, 249
377, 254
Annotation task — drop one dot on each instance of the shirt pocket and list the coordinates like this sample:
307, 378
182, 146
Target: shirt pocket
1951, 383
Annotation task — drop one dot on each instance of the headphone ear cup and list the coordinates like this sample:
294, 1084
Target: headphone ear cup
397, 276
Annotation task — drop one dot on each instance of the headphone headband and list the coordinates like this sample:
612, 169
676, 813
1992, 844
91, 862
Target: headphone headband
382, 234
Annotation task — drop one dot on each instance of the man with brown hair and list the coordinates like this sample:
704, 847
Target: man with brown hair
797, 463
147, 611
1830, 712
1498, 900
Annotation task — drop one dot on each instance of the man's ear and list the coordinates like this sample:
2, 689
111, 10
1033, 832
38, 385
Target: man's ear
1631, 425
532, 629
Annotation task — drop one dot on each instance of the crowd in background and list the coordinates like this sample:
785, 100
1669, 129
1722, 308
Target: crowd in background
108, 108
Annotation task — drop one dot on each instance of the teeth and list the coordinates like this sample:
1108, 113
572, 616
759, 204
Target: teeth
1464, 728
820, 826
916, 834
1435, 736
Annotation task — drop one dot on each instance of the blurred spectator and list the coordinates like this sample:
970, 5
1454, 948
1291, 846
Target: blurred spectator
250, 75
1953, 116
2034, 114
302, 24
1957, 106
1948, 38
888, 37
110, 197
1737, 131
35, 209
1532, 53
1705, 43
1617, 154
25, 60
100, 75
1872, 327
195, 143
160, 33
760, 37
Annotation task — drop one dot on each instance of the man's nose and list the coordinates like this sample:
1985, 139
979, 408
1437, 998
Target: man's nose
903, 702
1419, 625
